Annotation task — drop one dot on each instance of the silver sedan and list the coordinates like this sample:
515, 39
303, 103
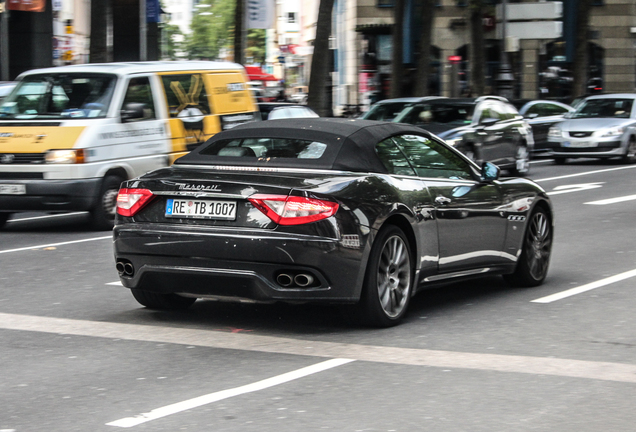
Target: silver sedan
603, 126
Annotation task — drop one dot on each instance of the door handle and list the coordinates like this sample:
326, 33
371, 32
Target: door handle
442, 200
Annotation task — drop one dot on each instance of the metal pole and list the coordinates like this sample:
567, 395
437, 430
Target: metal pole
143, 30
4, 42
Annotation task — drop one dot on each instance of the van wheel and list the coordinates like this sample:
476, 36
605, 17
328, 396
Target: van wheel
103, 214
4, 217
162, 301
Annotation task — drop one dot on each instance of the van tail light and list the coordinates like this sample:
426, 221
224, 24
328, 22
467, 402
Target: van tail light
293, 210
130, 201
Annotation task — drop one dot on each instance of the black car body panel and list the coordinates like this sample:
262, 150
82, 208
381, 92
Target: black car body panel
456, 227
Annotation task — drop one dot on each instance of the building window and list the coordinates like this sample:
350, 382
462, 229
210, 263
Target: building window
386, 3
291, 17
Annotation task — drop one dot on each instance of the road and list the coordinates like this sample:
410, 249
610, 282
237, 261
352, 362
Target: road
79, 354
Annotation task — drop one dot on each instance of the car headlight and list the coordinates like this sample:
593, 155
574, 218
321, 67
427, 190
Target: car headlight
555, 132
615, 131
65, 156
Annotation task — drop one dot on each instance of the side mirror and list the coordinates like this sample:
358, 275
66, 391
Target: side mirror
488, 122
132, 110
489, 172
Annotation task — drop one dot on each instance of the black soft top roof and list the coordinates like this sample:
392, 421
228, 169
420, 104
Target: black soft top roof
350, 143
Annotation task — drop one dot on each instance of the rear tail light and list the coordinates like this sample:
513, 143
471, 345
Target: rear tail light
130, 201
293, 210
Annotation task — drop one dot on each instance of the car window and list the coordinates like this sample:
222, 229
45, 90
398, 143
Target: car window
139, 91
591, 108
489, 111
393, 159
430, 158
267, 148
508, 111
445, 113
546, 109
386, 111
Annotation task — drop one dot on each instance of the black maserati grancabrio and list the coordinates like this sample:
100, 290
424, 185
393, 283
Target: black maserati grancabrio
326, 210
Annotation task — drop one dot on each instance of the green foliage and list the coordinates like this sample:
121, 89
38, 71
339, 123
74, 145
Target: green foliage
171, 41
212, 29
256, 45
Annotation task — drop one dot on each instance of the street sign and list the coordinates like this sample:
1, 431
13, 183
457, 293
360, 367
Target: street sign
281, 59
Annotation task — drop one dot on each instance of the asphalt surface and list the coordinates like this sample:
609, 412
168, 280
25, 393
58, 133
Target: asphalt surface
78, 353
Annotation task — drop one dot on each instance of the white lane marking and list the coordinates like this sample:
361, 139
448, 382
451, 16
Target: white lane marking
118, 283
54, 244
225, 394
587, 287
542, 161
612, 200
585, 173
606, 371
45, 217
575, 188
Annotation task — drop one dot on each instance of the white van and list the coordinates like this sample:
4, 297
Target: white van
70, 135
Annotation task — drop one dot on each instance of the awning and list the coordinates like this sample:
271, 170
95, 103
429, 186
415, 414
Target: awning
255, 73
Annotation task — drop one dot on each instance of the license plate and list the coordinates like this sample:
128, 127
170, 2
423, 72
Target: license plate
579, 144
12, 189
201, 209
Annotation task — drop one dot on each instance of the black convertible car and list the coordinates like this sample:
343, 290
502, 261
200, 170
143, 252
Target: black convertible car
330, 210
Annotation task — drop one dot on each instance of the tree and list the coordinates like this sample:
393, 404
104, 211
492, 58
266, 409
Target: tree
426, 41
397, 58
256, 45
477, 48
580, 61
317, 97
212, 30
171, 41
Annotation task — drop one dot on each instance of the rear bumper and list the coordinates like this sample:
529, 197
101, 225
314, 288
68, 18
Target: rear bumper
51, 195
213, 262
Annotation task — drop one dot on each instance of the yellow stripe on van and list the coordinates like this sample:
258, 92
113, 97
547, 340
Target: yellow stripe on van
37, 139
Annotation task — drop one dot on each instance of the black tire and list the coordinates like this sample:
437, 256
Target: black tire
4, 217
559, 160
162, 301
521, 166
630, 153
388, 282
532, 267
102, 215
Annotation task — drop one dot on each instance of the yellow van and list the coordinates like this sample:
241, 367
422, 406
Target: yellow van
70, 135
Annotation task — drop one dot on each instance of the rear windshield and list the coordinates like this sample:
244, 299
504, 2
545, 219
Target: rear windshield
60, 96
266, 148
617, 108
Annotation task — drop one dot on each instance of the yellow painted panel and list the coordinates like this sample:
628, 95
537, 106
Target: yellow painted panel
229, 93
37, 139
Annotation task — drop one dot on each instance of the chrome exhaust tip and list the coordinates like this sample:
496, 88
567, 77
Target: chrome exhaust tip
120, 267
128, 269
303, 280
284, 280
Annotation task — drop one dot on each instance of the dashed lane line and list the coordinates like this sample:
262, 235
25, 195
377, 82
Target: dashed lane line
606, 371
612, 200
585, 173
225, 394
54, 244
44, 217
587, 287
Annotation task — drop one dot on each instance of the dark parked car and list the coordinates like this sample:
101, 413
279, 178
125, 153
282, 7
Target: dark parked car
388, 109
280, 110
487, 128
602, 126
326, 210
541, 115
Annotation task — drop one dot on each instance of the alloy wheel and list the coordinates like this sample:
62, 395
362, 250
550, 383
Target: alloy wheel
538, 245
394, 276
